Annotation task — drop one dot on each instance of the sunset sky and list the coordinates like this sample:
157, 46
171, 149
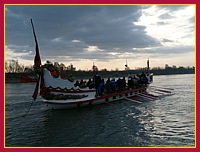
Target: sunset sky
104, 34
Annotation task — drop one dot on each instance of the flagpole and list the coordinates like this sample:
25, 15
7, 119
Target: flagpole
37, 60
37, 63
148, 65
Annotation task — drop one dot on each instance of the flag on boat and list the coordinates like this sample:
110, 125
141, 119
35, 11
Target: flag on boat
37, 60
62, 73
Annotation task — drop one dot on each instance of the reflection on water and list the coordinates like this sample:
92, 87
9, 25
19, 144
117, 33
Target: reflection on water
168, 121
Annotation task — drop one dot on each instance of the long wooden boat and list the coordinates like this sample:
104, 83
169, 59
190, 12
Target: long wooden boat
59, 93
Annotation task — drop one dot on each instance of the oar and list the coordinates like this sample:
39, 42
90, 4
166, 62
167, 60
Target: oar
150, 96
134, 100
154, 96
140, 95
161, 93
161, 87
162, 90
165, 91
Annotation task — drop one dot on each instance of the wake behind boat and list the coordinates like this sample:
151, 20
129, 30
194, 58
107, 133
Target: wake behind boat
59, 93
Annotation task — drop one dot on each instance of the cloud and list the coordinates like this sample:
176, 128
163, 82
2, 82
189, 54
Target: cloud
174, 23
100, 33
24, 54
57, 39
167, 40
12, 14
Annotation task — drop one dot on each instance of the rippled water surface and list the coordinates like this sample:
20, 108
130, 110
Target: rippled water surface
167, 121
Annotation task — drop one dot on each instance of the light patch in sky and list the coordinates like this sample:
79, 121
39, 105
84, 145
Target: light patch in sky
169, 26
76, 41
57, 39
92, 49
13, 54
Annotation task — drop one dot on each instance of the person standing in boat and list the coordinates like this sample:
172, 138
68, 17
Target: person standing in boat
144, 80
130, 81
123, 83
113, 85
119, 84
101, 87
97, 81
108, 86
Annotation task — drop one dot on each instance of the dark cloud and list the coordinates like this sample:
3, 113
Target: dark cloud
70, 30
166, 16
167, 40
104, 26
174, 8
164, 51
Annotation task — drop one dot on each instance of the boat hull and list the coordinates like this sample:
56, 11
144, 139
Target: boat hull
68, 104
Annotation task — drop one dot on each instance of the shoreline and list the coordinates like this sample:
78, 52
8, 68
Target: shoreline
15, 77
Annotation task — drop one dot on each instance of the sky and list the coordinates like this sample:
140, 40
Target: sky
105, 35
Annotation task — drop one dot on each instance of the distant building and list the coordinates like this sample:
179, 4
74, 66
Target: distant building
71, 68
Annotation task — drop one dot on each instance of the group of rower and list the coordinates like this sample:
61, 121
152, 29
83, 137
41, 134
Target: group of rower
112, 85
84, 84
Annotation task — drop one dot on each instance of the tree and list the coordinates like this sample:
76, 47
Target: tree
166, 66
127, 68
71, 68
104, 69
56, 64
94, 68
14, 67
174, 67
28, 69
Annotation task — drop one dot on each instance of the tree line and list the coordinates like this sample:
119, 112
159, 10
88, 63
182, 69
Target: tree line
13, 66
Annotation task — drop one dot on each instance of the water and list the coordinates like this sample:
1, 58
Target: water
168, 121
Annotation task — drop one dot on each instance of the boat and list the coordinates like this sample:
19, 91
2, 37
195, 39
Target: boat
58, 96
27, 79
59, 93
